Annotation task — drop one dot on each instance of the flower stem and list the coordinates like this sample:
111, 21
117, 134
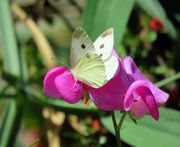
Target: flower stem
121, 121
33, 143
117, 132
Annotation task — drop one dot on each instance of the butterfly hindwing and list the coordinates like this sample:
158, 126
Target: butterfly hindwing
81, 44
90, 69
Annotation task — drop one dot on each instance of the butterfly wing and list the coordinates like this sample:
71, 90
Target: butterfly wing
111, 66
103, 46
90, 69
81, 44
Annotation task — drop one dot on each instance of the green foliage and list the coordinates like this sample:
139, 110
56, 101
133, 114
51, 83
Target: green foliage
151, 36
148, 132
104, 14
8, 41
154, 9
12, 116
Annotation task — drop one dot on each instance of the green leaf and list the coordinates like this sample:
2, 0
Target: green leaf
11, 122
100, 15
61, 105
149, 132
154, 9
8, 41
11, 56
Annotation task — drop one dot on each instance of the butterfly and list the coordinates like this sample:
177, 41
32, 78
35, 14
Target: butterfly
91, 63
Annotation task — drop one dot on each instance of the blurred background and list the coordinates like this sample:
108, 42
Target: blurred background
33, 31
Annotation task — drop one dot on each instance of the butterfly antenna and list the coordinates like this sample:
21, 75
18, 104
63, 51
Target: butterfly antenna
61, 63
74, 85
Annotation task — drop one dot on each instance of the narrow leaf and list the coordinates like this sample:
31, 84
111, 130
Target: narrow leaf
101, 15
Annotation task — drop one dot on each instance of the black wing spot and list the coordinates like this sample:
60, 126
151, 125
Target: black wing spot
83, 46
101, 46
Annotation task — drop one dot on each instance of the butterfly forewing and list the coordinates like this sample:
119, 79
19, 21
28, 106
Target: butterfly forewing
104, 44
81, 44
90, 69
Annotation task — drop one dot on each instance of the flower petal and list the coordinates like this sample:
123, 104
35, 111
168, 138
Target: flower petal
49, 85
134, 74
111, 95
69, 89
149, 100
129, 98
132, 70
113, 53
160, 96
138, 109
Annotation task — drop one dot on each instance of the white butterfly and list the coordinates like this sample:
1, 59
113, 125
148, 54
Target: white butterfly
91, 63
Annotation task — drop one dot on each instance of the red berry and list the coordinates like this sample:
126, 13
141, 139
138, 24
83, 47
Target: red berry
155, 24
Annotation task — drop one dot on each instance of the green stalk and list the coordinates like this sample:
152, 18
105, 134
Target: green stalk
168, 80
33, 143
117, 132
121, 122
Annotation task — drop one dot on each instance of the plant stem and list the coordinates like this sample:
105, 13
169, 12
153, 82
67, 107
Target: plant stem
121, 121
168, 80
33, 143
117, 132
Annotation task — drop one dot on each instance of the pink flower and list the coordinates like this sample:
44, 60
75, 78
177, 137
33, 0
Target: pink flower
142, 97
128, 90
59, 82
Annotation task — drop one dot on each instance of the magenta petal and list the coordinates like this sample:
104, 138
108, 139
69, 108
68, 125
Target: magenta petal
138, 109
132, 70
134, 74
111, 95
113, 53
69, 89
149, 100
49, 85
129, 98
160, 96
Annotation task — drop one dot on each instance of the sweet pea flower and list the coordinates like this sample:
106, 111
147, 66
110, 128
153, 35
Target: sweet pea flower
58, 82
128, 90
142, 97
